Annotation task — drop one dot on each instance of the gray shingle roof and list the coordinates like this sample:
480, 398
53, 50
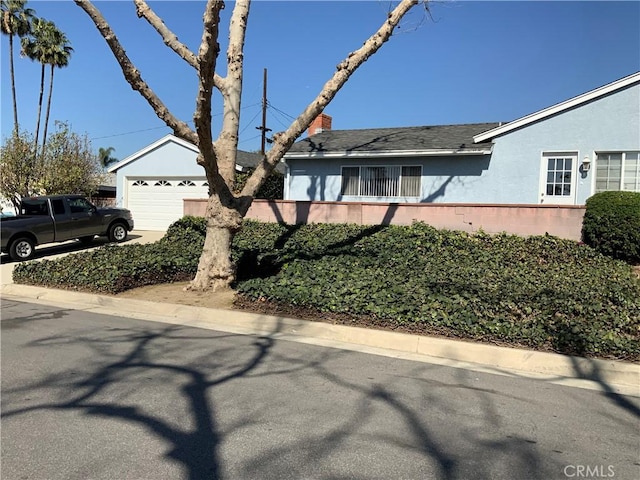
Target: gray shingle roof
435, 137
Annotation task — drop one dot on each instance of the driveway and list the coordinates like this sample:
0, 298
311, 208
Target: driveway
51, 251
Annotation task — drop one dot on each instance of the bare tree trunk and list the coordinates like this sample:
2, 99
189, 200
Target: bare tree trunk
35, 143
46, 117
13, 87
215, 268
225, 211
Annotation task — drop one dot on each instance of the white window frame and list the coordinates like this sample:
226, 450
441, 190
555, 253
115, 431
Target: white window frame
555, 199
623, 154
386, 166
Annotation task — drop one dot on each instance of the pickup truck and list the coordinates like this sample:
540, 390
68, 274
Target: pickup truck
58, 218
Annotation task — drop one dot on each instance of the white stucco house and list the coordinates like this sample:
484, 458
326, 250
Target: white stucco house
560, 155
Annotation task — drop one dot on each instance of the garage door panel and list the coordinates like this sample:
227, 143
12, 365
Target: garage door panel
156, 203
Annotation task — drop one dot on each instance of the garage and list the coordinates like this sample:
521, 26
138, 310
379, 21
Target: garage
158, 202
154, 181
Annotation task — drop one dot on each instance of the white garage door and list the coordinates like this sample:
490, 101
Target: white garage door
156, 203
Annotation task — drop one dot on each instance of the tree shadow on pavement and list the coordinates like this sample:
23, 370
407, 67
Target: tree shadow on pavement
592, 371
195, 449
227, 384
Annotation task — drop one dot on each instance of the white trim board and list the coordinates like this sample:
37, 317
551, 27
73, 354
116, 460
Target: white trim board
164, 140
559, 107
387, 153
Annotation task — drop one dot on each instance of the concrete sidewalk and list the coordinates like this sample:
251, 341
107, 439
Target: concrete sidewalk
605, 375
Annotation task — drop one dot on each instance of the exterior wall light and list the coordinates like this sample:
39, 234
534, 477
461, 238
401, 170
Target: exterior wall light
586, 163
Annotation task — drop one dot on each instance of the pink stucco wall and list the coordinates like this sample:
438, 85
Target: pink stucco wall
558, 220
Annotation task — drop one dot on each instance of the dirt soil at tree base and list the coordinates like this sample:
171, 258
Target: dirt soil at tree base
176, 293
229, 300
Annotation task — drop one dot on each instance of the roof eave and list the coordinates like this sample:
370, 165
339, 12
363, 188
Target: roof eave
389, 153
148, 148
557, 108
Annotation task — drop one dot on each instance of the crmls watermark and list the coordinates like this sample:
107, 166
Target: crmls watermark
589, 471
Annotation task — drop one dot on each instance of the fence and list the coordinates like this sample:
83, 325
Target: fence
564, 221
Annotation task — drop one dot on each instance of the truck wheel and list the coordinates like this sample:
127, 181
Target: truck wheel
117, 233
22, 249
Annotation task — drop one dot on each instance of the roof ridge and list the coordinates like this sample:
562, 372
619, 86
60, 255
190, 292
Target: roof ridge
412, 127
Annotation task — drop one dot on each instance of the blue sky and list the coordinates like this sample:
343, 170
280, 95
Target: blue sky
471, 61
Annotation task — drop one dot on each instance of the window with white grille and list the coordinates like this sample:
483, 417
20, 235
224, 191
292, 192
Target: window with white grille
382, 181
618, 171
186, 183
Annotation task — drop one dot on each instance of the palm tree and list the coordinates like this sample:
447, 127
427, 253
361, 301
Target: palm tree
39, 46
104, 155
16, 20
57, 57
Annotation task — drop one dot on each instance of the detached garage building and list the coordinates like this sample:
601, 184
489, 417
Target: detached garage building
154, 181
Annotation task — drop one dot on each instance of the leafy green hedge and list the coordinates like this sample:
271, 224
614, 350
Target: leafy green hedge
116, 268
611, 224
542, 292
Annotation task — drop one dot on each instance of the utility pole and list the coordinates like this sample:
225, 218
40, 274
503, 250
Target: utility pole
264, 128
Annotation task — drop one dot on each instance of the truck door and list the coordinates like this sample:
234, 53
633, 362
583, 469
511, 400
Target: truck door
84, 217
63, 223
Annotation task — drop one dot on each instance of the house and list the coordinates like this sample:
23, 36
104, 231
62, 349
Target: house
560, 155
154, 181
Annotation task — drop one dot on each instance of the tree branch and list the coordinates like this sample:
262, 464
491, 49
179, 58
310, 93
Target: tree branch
344, 70
227, 143
168, 37
132, 75
207, 57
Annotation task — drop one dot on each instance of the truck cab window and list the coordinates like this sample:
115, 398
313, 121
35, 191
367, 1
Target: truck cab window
79, 205
34, 207
58, 206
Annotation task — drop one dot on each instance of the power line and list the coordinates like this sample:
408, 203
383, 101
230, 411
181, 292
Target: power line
250, 122
128, 133
164, 126
280, 122
249, 139
270, 105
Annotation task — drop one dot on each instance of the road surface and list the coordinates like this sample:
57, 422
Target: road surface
94, 396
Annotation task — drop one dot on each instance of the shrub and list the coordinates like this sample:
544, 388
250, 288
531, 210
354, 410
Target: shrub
115, 268
612, 224
542, 292
188, 228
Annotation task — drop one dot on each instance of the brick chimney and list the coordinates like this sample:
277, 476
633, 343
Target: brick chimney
321, 123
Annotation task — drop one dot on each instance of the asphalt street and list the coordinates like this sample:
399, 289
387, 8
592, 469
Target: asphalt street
103, 397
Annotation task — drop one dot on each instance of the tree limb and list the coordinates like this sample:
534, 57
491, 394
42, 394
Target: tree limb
132, 75
227, 143
168, 37
344, 70
207, 57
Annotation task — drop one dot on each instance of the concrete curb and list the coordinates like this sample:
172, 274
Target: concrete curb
609, 375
